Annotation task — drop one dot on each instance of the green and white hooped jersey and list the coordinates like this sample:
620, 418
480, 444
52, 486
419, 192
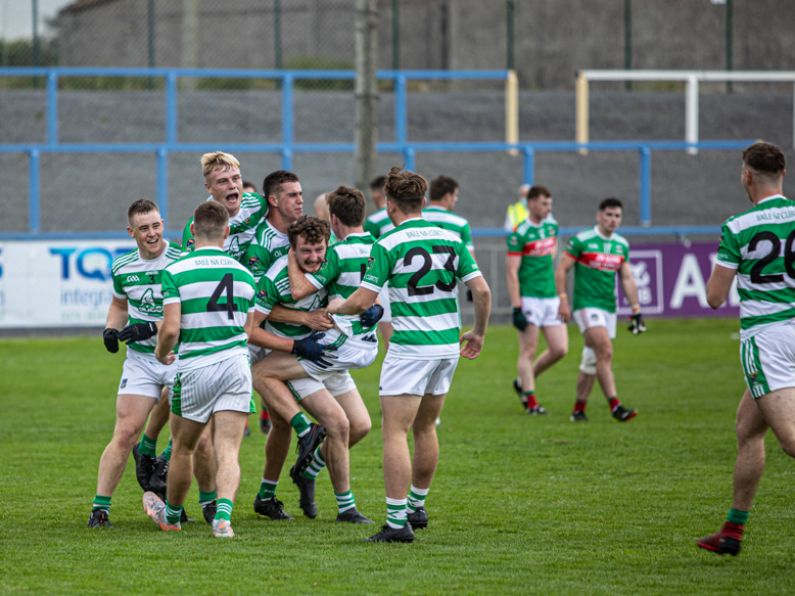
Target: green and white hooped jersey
137, 281
760, 245
447, 220
378, 223
273, 289
268, 245
253, 207
598, 259
215, 293
536, 245
341, 275
422, 264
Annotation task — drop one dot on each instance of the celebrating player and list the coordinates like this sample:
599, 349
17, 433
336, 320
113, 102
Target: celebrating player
422, 264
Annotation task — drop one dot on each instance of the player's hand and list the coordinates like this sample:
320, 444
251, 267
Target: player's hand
138, 332
564, 311
309, 347
169, 358
473, 344
372, 315
519, 320
111, 338
636, 324
318, 320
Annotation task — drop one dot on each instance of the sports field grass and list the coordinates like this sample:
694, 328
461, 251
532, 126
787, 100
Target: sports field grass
520, 504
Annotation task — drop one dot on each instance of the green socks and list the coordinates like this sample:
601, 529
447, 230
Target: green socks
416, 498
166, 455
267, 489
300, 423
101, 502
224, 510
736, 516
173, 513
345, 501
205, 498
396, 513
147, 446
316, 465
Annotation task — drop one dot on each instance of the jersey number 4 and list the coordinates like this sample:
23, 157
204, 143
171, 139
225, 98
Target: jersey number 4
789, 257
413, 284
225, 286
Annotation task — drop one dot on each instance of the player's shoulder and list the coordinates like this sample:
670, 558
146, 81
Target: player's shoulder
619, 239
124, 260
277, 268
173, 252
585, 235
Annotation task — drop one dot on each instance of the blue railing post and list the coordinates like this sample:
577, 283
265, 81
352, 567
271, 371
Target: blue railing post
408, 158
52, 107
645, 186
34, 188
401, 106
288, 116
171, 107
162, 182
529, 170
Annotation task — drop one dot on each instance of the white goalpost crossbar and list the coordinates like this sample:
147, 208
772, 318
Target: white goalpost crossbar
691, 78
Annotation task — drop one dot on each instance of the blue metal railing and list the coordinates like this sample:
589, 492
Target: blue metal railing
288, 147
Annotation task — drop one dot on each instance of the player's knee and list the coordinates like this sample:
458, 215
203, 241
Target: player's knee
338, 426
558, 352
359, 429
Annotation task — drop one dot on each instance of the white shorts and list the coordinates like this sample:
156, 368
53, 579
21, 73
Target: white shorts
146, 376
201, 392
595, 317
256, 353
402, 376
541, 312
384, 295
768, 359
334, 376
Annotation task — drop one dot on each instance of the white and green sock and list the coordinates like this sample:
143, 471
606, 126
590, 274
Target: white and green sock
224, 510
267, 489
207, 498
416, 498
300, 424
316, 465
173, 513
345, 501
396, 513
101, 502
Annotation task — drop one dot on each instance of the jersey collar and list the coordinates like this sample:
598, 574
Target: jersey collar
770, 198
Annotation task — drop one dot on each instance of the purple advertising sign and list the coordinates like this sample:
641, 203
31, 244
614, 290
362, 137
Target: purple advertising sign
672, 280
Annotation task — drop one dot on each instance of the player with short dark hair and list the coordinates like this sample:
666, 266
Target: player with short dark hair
597, 255
756, 250
135, 310
423, 264
208, 303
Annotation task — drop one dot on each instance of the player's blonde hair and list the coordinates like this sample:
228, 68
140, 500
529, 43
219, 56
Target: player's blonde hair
218, 159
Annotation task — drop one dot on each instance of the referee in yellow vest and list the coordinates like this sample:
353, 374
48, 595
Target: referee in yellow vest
517, 212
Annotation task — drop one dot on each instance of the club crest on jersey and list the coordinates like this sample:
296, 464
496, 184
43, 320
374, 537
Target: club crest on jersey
148, 303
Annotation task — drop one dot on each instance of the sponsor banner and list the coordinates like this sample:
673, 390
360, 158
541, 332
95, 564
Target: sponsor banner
672, 280
57, 284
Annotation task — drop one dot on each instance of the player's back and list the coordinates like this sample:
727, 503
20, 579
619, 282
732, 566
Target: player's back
760, 244
422, 264
215, 293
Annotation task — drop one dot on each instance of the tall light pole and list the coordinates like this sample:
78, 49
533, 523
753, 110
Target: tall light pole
366, 91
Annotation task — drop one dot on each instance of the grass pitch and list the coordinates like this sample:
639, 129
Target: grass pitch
519, 504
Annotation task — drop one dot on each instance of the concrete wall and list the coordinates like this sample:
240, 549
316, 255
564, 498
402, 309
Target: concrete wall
553, 38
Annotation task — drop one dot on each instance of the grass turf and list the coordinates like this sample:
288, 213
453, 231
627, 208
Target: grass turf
519, 503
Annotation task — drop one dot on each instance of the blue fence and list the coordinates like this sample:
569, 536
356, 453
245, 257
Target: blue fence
288, 147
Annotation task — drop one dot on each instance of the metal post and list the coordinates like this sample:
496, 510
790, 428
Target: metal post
287, 121
395, 35
691, 113
509, 11
366, 124
529, 165
582, 133
645, 186
277, 34
52, 107
408, 158
34, 211
628, 41
401, 124
162, 182
150, 40
171, 108
190, 40
35, 48
729, 39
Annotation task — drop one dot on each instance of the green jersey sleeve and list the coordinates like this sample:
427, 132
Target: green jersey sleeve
187, 238
328, 273
379, 267
728, 249
574, 247
467, 267
168, 287
514, 243
267, 296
